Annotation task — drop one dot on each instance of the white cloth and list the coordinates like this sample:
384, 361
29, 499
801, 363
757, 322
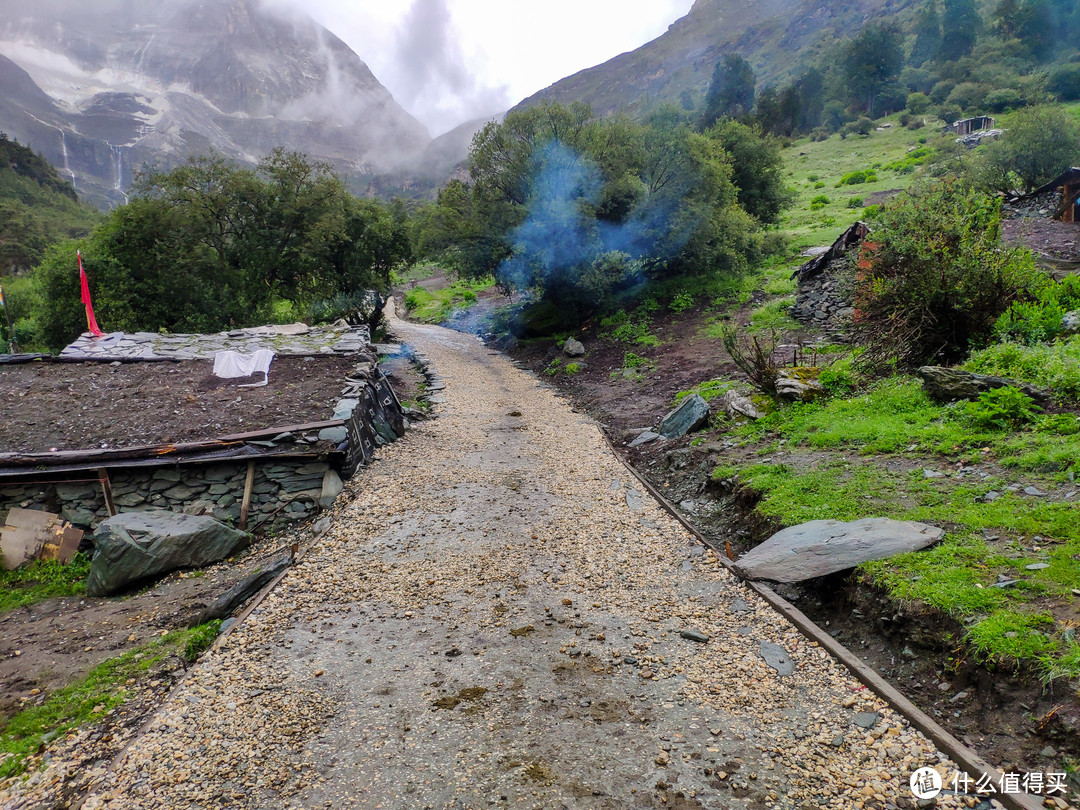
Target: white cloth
230, 365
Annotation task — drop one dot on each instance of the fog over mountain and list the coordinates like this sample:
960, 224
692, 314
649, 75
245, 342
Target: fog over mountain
105, 87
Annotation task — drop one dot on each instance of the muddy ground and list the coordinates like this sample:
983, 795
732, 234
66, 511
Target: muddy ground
78, 406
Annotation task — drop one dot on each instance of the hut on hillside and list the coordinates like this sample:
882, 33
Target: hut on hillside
965, 126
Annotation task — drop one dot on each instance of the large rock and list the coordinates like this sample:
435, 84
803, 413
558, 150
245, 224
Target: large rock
948, 384
692, 414
799, 384
1070, 324
573, 348
735, 404
823, 547
134, 546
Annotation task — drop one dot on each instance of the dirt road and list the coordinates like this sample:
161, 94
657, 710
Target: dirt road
500, 619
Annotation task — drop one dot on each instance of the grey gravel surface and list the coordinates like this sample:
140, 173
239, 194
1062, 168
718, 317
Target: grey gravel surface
492, 622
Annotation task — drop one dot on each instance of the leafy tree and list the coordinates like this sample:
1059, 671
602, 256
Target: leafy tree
934, 277
960, 25
579, 209
757, 169
1040, 143
731, 91
211, 246
927, 31
871, 59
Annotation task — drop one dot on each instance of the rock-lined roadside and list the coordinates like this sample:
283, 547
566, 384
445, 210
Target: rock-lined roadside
499, 619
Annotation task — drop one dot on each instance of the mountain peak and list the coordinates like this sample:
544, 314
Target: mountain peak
131, 83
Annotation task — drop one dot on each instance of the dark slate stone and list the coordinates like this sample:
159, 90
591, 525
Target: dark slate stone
695, 635
948, 384
133, 546
692, 414
777, 658
866, 720
823, 547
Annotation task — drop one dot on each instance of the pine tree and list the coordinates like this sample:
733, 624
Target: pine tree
960, 26
927, 34
731, 92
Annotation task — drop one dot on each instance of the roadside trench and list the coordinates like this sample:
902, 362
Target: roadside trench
500, 616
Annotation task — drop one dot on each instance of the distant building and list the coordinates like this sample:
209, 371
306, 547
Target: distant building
965, 126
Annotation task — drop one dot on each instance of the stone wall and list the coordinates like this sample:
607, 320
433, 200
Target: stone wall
291, 488
824, 300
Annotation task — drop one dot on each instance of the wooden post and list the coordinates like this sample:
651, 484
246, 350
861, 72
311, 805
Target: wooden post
245, 505
106, 488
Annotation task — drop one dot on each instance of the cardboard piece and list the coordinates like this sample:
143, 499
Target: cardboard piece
29, 534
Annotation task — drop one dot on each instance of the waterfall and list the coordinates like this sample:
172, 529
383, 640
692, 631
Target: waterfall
118, 170
67, 166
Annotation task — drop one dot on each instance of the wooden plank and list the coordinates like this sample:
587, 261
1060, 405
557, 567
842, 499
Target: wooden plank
157, 450
245, 505
106, 489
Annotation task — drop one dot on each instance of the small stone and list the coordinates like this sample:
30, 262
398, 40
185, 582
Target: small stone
866, 719
662, 758
1048, 752
1036, 566
695, 635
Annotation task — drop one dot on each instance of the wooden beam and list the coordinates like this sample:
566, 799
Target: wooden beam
245, 505
158, 450
106, 488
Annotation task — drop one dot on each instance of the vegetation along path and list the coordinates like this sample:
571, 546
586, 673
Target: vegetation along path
499, 618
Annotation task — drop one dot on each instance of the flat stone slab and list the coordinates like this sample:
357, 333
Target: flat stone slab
823, 547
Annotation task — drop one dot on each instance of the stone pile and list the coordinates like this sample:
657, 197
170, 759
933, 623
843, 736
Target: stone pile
1043, 205
825, 301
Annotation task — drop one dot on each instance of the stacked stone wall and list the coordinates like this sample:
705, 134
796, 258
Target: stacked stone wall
283, 490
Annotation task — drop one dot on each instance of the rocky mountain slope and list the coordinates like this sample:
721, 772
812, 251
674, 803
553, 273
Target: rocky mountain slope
775, 36
103, 88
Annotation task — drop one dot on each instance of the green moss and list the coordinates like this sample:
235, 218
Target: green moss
42, 579
89, 699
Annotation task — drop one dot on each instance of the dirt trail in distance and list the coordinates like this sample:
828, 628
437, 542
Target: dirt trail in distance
498, 618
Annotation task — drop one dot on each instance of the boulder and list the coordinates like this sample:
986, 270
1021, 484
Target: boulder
134, 546
692, 414
573, 348
798, 384
735, 404
823, 547
948, 384
1070, 324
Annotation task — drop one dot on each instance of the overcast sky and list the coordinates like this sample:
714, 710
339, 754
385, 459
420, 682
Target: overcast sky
450, 61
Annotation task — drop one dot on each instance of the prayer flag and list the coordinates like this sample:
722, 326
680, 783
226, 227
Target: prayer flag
91, 322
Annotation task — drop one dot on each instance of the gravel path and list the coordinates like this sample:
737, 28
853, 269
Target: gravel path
495, 620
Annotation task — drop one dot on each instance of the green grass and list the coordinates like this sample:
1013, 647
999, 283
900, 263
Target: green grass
885, 153
93, 697
42, 579
773, 316
1055, 366
436, 306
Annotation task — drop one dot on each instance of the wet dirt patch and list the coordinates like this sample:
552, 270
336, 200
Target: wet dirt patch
77, 406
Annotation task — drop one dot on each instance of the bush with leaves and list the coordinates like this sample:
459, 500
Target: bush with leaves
934, 277
1034, 321
1005, 408
1041, 142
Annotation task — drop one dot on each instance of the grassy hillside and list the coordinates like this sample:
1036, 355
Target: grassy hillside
37, 207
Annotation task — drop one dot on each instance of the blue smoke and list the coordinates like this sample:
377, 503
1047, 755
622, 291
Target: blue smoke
561, 238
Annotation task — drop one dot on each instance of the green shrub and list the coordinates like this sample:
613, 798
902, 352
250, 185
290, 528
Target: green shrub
631, 360
855, 202
681, 302
857, 178
630, 328
819, 184
820, 201
573, 368
918, 103
1055, 366
1034, 321
935, 277
1002, 408
838, 379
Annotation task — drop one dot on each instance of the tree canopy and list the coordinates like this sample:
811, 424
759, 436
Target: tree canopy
578, 208
211, 246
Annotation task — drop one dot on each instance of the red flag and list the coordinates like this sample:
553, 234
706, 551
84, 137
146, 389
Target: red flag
91, 322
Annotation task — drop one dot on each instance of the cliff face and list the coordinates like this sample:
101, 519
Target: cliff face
773, 35
104, 88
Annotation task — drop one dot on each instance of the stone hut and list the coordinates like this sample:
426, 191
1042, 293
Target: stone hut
822, 297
